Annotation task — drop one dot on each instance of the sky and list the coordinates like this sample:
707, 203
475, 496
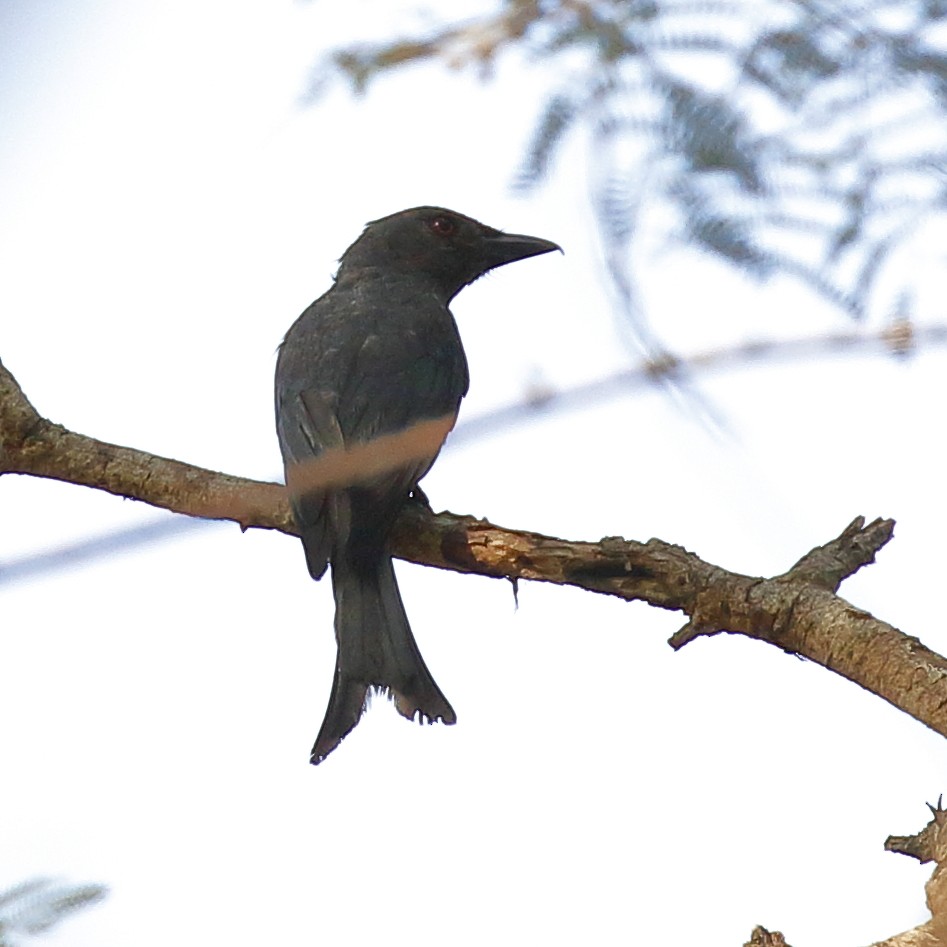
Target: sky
170, 206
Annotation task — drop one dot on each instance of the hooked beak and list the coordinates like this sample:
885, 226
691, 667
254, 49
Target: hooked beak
504, 248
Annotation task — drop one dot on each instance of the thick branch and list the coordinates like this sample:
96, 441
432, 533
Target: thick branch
30, 444
797, 611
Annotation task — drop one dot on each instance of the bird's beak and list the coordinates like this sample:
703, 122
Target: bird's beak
504, 248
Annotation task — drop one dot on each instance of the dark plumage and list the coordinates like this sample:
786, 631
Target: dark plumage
375, 356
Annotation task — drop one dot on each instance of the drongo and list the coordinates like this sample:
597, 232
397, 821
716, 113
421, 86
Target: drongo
368, 383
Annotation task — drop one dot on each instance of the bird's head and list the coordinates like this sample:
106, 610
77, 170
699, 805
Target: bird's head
445, 248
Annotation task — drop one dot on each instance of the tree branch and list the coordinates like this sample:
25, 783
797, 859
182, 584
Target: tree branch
928, 845
31, 444
797, 611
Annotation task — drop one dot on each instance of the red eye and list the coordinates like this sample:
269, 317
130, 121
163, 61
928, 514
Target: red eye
442, 226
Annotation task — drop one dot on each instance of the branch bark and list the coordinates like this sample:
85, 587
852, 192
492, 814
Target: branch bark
928, 845
798, 611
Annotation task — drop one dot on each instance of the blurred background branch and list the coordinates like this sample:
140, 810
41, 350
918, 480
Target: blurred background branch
36, 906
769, 134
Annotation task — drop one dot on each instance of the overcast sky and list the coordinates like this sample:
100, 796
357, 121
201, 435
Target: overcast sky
169, 208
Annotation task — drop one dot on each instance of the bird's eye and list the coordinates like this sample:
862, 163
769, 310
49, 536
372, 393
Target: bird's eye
442, 226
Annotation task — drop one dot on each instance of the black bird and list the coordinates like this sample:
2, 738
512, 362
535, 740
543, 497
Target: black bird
369, 380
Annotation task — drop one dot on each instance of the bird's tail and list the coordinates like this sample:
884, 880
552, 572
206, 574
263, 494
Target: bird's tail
376, 651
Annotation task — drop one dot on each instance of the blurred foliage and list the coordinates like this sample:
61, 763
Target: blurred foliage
805, 138
38, 905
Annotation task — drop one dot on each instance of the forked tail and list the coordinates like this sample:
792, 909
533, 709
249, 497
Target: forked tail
376, 650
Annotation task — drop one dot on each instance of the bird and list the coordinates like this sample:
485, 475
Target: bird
369, 381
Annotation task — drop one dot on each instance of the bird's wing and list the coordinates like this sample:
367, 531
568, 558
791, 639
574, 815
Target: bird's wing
308, 427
